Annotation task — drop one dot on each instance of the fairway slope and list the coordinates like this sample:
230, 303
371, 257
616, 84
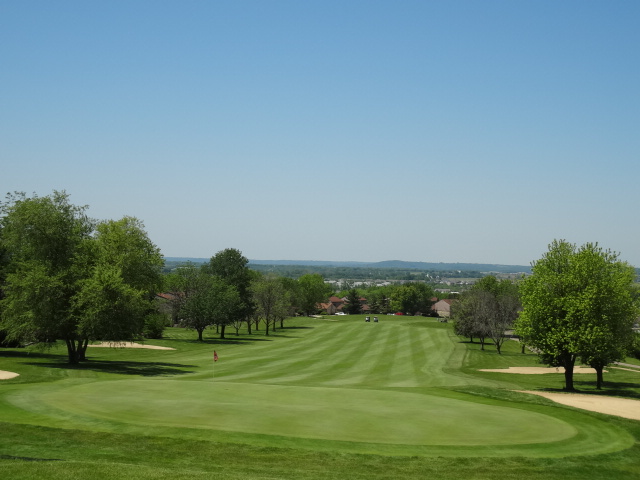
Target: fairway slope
353, 387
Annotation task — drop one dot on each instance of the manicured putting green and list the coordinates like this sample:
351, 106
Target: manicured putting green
353, 415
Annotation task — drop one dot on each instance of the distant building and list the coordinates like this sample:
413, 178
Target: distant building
442, 308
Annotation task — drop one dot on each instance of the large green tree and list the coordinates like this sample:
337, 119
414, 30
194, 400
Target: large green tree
353, 305
271, 299
207, 300
122, 273
125, 244
232, 267
43, 238
412, 298
312, 290
495, 304
486, 310
379, 299
471, 315
578, 302
68, 279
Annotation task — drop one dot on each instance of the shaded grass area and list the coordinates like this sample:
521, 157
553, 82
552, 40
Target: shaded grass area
412, 355
144, 369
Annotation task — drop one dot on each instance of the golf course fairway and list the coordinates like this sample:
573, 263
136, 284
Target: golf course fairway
395, 388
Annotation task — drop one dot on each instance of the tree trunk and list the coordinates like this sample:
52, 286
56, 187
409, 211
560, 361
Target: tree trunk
249, 322
498, 346
200, 330
599, 377
266, 322
568, 374
222, 331
481, 343
72, 352
523, 346
82, 350
282, 323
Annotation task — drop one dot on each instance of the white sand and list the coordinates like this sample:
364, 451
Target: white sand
539, 370
7, 375
620, 407
130, 345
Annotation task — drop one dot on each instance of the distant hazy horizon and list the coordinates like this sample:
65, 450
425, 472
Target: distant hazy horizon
341, 263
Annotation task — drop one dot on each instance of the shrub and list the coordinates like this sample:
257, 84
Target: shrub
154, 324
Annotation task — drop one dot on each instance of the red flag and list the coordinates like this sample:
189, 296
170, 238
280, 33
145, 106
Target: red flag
215, 356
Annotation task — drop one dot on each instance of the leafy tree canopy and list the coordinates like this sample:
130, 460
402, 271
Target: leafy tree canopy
66, 278
578, 302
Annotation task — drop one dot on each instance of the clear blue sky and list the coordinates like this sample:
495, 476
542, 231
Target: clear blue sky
453, 131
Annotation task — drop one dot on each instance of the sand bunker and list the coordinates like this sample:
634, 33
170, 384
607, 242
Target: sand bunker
130, 345
539, 370
7, 375
620, 407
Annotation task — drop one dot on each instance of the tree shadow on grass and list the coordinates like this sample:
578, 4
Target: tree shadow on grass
613, 389
22, 353
29, 459
609, 389
281, 335
231, 340
144, 369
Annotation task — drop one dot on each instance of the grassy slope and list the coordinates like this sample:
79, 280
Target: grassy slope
319, 385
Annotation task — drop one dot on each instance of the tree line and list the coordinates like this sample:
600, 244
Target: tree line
226, 292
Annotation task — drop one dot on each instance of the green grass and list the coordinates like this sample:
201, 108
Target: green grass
323, 398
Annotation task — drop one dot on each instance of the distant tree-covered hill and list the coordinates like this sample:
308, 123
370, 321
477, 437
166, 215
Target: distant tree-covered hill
306, 266
400, 264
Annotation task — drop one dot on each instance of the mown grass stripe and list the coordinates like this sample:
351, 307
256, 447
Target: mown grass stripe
283, 356
364, 359
399, 375
422, 341
333, 363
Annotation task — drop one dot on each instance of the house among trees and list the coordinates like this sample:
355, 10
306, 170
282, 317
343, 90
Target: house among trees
336, 305
442, 308
169, 304
333, 306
